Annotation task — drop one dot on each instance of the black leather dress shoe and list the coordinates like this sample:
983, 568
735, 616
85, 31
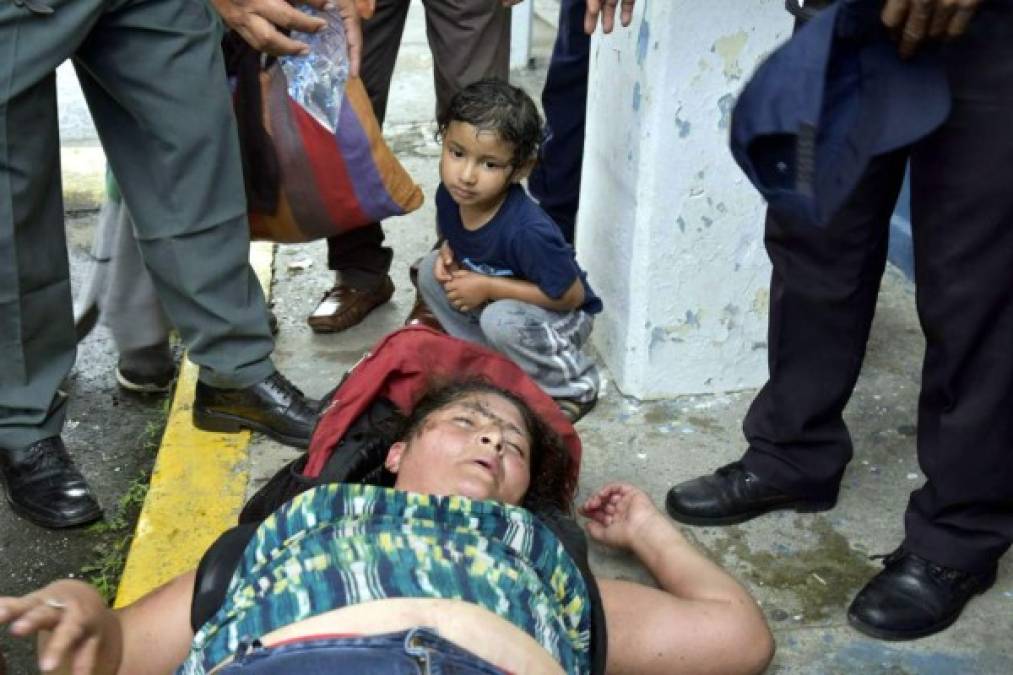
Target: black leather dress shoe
732, 495
273, 406
913, 597
44, 486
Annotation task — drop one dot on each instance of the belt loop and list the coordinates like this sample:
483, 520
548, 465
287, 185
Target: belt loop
415, 645
35, 6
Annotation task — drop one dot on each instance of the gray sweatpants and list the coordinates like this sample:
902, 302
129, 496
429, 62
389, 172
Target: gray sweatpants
547, 345
120, 286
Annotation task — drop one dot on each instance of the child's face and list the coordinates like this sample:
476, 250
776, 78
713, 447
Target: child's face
476, 166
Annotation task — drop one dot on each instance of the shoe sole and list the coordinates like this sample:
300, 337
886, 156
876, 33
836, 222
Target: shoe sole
798, 507
231, 424
900, 636
142, 388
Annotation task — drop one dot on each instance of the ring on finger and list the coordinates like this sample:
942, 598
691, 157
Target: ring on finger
55, 604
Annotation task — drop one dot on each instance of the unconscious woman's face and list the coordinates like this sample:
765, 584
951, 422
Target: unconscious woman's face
477, 447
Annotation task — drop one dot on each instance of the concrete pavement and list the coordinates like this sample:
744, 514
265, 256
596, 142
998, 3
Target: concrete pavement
804, 569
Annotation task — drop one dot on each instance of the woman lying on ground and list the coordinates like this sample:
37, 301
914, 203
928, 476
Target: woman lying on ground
450, 568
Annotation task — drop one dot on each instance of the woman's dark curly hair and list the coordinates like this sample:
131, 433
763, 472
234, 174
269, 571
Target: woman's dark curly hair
552, 478
494, 105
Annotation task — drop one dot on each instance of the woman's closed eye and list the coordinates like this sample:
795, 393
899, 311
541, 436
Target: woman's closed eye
517, 448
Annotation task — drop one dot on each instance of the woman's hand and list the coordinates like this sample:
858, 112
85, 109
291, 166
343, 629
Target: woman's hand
77, 618
619, 514
467, 290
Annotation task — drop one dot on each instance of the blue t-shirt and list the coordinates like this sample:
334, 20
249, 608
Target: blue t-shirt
520, 241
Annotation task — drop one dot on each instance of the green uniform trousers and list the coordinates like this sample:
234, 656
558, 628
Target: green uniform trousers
152, 74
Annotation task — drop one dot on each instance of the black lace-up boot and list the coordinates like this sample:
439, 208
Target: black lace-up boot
913, 597
44, 486
732, 494
274, 406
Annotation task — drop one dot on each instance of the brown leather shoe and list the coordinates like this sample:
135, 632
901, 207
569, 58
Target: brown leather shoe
344, 306
421, 315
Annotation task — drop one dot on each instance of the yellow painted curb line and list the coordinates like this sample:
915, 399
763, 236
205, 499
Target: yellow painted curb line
197, 487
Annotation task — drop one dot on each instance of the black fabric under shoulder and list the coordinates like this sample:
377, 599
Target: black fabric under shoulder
215, 572
358, 458
573, 539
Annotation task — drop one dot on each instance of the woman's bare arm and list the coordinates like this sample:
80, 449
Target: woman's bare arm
699, 621
156, 628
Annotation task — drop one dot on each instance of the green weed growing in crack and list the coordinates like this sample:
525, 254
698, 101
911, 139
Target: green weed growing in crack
116, 534
116, 531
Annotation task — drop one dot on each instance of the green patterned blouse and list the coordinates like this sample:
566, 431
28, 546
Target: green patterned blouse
342, 544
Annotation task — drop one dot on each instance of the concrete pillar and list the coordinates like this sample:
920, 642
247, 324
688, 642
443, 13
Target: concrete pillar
669, 230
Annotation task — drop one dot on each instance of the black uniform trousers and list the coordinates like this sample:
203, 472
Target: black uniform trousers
823, 295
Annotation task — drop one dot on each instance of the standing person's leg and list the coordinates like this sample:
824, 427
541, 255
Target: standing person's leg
470, 40
153, 76
118, 291
555, 180
359, 259
130, 307
960, 522
37, 338
823, 293
548, 346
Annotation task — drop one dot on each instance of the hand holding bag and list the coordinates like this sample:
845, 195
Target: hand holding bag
314, 158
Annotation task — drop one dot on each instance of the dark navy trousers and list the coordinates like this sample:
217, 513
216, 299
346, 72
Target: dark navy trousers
555, 182
823, 295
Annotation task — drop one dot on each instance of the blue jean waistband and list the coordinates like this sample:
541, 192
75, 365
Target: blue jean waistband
417, 651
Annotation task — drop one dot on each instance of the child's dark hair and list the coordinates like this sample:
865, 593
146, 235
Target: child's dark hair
494, 105
552, 481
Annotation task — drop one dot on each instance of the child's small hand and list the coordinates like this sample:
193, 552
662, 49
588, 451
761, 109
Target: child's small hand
467, 290
444, 266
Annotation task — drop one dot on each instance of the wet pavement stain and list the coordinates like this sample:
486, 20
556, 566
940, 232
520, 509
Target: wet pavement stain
705, 424
658, 415
823, 577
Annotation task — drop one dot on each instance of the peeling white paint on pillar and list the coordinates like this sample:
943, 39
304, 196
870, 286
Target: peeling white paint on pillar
669, 230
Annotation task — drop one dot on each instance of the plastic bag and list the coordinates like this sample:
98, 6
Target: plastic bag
317, 81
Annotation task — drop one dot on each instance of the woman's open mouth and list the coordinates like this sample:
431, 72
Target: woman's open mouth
488, 466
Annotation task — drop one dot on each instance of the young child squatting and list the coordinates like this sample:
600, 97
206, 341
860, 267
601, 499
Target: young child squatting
504, 276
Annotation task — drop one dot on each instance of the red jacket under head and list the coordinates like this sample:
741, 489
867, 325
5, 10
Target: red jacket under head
405, 364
